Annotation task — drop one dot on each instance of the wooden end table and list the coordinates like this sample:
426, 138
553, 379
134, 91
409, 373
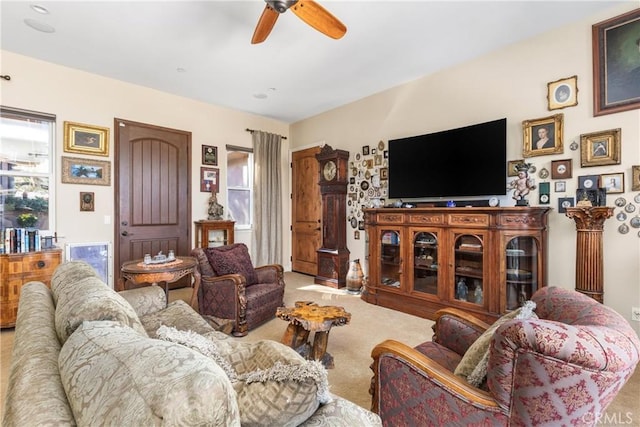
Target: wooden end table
137, 272
308, 317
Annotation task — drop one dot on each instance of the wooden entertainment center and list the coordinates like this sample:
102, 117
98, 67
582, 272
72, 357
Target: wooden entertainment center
484, 260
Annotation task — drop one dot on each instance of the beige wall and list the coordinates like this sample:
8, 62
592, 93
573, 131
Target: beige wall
76, 96
509, 83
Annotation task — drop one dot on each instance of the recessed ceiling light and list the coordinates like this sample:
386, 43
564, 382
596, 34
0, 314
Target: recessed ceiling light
260, 95
181, 70
40, 9
40, 26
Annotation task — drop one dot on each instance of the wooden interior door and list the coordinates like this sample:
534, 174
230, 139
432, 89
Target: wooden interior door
153, 205
306, 211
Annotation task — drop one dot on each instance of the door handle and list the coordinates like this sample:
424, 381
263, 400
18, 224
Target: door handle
126, 233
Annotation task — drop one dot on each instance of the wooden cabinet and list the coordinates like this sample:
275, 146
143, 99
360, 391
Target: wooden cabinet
210, 233
486, 261
18, 269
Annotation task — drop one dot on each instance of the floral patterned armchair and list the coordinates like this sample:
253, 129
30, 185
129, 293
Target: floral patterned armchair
231, 288
562, 368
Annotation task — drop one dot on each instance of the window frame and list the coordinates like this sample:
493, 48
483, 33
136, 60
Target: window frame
6, 111
249, 188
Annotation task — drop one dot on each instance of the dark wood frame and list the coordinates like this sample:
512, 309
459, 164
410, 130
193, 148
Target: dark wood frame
209, 157
561, 202
212, 187
594, 178
555, 174
87, 201
602, 63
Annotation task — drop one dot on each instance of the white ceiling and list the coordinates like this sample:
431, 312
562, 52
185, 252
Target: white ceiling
301, 71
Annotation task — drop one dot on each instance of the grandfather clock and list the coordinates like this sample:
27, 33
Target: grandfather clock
333, 256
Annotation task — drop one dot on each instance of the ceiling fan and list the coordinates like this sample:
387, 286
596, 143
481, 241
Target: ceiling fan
307, 10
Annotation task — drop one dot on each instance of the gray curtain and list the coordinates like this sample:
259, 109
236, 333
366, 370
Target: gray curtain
267, 199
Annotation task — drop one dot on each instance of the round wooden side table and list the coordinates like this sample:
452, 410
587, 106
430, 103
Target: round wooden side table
137, 272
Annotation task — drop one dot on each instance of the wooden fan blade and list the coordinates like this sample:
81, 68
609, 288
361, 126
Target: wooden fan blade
319, 18
265, 25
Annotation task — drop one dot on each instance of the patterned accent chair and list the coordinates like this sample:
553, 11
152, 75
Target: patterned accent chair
231, 288
563, 368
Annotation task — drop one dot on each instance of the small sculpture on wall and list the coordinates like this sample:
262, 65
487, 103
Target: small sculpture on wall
215, 209
522, 185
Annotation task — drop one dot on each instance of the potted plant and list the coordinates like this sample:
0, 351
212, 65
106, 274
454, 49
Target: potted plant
27, 220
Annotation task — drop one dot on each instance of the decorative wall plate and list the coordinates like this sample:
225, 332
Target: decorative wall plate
364, 185
573, 146
544, 173
620, 202
630, 208
621, 216
637, 198
635, 222
354, 222
623, 229
381, 145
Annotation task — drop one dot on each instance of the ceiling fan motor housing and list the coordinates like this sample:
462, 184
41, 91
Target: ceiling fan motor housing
281, 6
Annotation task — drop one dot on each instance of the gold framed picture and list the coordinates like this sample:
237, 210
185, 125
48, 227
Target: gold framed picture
562, 93
511, 167
543, 136
613, 182
600, 148
86, 139
85, 171
635, 178
87, 201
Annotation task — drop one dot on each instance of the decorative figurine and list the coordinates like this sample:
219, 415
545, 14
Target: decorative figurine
522, 185
215, 208
461, 289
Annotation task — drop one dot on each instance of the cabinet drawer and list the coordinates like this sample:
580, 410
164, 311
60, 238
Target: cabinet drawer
39, 266
390, 218
426, 219
473, 220
519, 220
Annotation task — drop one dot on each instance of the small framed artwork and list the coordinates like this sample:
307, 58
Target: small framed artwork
209, 155
86, 139
612, 182
384, 173
589, 182
560, 186
356, 235
85, 171
209, 180
615, 74
561, 169
543, 136
511, 167
562, 93
635, 178
600, 148
564, 203
87, 201
587, 197
365, 150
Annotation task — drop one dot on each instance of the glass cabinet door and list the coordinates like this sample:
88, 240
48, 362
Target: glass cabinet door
522, 270
425, 262
469, 269
390, 258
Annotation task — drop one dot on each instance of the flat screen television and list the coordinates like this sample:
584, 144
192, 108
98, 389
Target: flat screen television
465, 162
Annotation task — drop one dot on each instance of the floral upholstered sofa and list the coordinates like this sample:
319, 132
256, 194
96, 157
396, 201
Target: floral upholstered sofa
560, 365
86, 355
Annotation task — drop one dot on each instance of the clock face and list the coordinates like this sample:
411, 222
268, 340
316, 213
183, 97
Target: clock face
329, 170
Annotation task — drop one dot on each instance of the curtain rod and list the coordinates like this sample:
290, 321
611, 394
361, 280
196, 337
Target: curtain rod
253, 130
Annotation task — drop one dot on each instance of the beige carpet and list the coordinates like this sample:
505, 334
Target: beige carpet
350, 345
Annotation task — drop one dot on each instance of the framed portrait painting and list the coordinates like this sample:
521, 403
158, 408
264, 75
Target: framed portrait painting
543, 136
562, 93
600, 148
86, 139
635, 178
613, 182
616, 64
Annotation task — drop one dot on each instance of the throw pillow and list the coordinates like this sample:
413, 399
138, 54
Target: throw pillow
473, 365
274, 384
232, 259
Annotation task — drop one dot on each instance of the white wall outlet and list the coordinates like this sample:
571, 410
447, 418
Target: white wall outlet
635, 314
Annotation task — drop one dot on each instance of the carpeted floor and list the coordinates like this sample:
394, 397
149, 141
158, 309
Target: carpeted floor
351, 345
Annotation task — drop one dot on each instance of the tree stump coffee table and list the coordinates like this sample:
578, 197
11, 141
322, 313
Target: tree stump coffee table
307, 317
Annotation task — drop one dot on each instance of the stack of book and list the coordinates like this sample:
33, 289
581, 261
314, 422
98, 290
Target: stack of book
19, 240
